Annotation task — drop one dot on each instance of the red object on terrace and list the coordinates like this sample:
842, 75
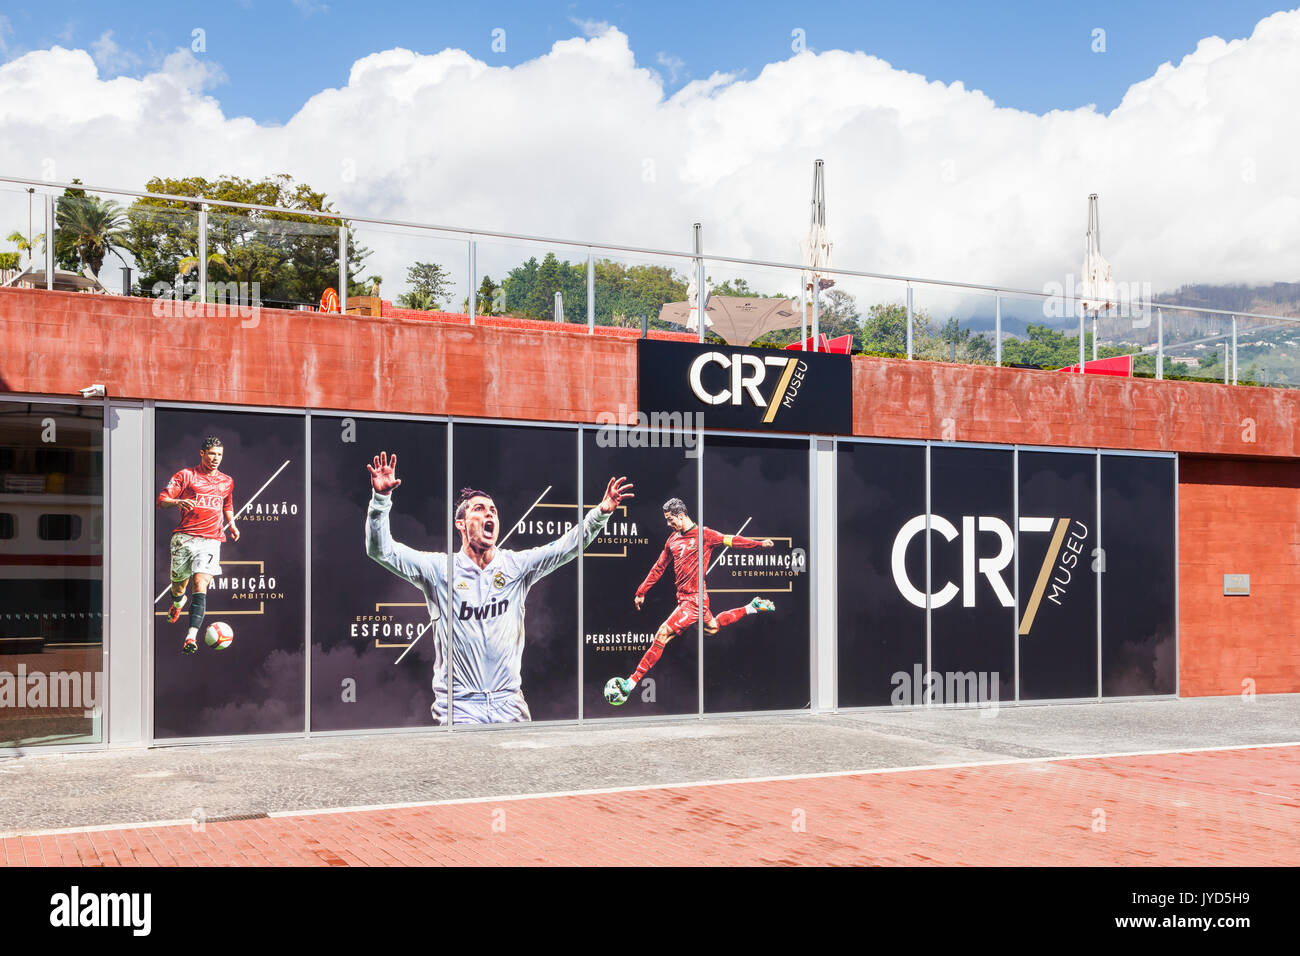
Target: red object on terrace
1121, 365
840, 345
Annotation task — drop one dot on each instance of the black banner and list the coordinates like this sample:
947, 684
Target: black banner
743, 388
254, 684
531, 475
972, 549
372, 640
757, 489
616, 633
881, 633
1138, 646
1058, 583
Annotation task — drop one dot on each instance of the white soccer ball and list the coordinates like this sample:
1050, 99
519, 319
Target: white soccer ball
613, 695
219, 635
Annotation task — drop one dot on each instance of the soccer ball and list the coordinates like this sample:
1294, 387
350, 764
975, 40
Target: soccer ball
614, 695
219, 635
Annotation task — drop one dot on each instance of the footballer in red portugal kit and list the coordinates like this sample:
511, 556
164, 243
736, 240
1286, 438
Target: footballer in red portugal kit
685, 548
204, 496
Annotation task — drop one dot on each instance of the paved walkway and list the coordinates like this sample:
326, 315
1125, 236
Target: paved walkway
1226, 807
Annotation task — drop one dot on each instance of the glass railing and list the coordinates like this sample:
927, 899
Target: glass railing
414, 271
187, 249
22, 232
637, 292
954, 325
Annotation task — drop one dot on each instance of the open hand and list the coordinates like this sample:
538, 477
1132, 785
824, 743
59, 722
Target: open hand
616, 491
639, 600
383, 473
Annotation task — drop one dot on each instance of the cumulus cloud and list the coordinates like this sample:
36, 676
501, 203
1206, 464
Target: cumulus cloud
675, 65
110, 57
1193, 167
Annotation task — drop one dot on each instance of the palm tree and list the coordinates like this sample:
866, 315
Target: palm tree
18, 239
88, 229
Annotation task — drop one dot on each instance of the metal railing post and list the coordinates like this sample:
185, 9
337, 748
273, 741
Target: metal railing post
1082, 336
909, 320
1160, 344
473, 281
203, 254
803, 315
343, 269
1234, 350
49, 242
817, 315
699, 278
591, 291
1094, 336
997, 330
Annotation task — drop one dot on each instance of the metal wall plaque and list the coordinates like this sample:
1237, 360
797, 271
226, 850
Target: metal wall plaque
1236, 584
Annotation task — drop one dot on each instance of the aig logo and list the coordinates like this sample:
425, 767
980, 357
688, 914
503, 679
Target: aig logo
1057, 574
748, 373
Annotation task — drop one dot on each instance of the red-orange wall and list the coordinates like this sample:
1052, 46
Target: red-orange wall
1238, 507
1239, 517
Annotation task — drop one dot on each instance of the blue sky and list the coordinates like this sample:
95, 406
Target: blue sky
569, 134
277, 53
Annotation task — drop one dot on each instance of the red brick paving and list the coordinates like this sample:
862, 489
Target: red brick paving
1237, 807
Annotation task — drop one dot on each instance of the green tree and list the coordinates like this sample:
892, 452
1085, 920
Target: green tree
293, 256
430, 287
884, 330
541, 297
87, 229
487, 296
20, 240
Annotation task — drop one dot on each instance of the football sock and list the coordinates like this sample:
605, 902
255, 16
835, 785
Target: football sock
731, 617
648, 661
191, 634
197, 608
176, 598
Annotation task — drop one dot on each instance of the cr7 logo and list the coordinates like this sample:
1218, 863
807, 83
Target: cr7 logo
748, 373
992, 566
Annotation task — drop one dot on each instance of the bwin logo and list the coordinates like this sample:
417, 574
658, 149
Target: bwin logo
748, 372
468, 612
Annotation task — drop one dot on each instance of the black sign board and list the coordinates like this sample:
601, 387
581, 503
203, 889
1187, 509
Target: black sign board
743, 388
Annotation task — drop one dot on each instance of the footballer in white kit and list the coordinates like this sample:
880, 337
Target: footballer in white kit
490, 585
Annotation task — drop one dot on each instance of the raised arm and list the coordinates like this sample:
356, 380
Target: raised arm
541, 561
416, 566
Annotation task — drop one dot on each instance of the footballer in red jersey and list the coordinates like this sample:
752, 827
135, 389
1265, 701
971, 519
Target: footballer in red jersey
205, 498
683, 550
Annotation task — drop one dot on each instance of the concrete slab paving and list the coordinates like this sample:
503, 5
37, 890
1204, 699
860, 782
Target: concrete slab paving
214, 781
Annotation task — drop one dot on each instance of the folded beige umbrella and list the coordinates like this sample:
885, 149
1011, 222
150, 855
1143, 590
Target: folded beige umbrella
739, 320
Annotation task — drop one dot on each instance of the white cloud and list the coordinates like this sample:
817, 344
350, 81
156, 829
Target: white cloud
591, 28
310, 8
111, 58
675, 65
1195, 167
